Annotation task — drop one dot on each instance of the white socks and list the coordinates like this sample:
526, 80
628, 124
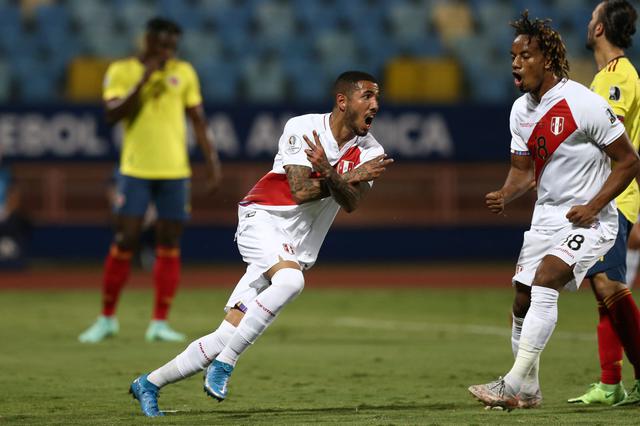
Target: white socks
196, 357
531, 384
537, 328
286, 284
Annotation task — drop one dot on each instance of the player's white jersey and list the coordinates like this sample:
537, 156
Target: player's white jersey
565, 134
309, 222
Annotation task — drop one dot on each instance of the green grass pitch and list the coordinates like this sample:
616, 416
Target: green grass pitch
334, 356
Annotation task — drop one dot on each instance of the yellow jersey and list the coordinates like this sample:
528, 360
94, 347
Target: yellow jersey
155, 138
618, 83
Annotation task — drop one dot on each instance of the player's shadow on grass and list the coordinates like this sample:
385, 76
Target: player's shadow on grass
360, 409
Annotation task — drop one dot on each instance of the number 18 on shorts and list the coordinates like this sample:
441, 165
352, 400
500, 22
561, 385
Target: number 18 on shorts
577, 247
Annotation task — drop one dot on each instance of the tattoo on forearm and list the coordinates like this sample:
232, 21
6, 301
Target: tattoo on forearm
303, 187
345, 193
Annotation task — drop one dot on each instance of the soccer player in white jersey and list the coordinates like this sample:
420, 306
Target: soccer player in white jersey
563, 139
324, 162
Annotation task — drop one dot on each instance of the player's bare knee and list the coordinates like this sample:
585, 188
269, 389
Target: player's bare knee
521, 305
234, 316
552, 273
521, 300
125, 242
604, 287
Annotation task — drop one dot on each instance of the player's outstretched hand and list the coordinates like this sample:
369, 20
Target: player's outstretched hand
370, 170
582, 216
316, 155
495, 202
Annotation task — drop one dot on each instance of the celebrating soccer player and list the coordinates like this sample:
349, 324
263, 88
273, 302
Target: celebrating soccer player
324, 162
563, 138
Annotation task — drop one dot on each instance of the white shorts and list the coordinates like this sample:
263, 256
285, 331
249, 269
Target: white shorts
262, 242
577, 247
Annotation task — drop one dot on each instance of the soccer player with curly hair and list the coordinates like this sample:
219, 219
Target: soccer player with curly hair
563, 137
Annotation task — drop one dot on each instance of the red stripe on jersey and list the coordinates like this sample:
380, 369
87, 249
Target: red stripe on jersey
348, 161
274, 190
552, 129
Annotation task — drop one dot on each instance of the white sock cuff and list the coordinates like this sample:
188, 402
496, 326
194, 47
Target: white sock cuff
517, 320
543, 294
226, 327
289, 277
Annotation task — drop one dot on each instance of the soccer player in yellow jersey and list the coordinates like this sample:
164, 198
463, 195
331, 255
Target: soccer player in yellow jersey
609, 33
151, 94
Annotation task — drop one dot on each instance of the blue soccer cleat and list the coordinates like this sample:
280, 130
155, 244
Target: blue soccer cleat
216, 379
147, 395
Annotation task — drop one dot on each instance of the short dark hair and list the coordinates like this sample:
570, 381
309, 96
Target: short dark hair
161, 25
619, 20
346, 82
549, 40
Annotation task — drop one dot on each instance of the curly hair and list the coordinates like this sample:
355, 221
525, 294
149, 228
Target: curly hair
619, 20
550, 42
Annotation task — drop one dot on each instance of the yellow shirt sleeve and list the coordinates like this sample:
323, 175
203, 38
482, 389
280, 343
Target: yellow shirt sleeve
115, 83
617, 88
192, 95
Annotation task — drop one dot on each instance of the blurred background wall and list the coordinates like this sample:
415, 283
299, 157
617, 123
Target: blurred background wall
444, 68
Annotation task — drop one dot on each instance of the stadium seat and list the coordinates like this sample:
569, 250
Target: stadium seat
218, 81
263, 79
276, 11
84, 79
423, 80
32, 87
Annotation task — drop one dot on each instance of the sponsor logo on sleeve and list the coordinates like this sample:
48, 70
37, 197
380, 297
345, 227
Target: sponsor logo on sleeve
294, 144
614, 93
612, 116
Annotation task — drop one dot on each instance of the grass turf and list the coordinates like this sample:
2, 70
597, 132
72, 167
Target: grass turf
344, 357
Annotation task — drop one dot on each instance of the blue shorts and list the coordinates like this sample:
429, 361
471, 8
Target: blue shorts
170, 196
614, 263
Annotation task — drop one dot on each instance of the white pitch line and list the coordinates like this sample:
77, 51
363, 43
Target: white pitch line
453, 328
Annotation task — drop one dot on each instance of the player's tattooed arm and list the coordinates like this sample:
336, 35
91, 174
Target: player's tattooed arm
304, 188
369, 170
351, 187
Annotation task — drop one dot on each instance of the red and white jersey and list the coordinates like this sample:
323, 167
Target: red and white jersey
565, 134
309, 222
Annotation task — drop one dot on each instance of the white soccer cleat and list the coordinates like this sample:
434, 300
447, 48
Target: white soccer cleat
495, 394
528, 400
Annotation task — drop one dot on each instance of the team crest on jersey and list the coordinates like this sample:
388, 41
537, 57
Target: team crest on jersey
345, 166
288, 248
294, 144
173, 80
557, 125
614, 93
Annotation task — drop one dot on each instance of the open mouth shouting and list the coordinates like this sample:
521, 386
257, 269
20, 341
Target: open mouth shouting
368, 119
517, 79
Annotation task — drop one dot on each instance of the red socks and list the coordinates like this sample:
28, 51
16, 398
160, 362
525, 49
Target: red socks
625, 319
117, 266
609, 348
166, 275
